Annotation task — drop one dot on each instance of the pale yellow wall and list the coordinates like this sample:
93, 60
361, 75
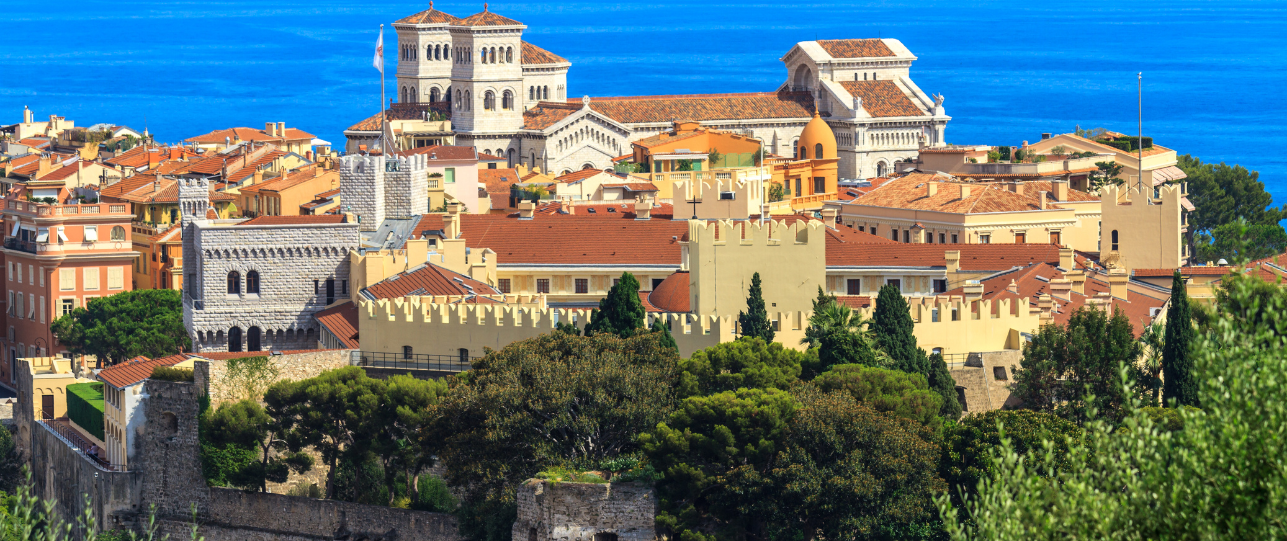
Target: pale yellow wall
1149, 230
1077, 224
50, 376
791, 260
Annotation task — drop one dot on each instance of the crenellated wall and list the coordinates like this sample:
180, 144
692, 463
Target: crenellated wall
362, 189
1150, 230
723, 256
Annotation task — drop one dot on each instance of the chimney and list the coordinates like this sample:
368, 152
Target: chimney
953, 258
317, 171
271, 129
1045, 136
1017, 187
1013, 287
643, 208
417, 252
1061, 288
931, 189
965, 191
281, 130
26, 115
1078, 279
1066, 260
526, 210
829, 217
1025, 144
259, 177
973, 290
46, 165
1117, 280
1043, 199
1061, 190
565, 206
450, 224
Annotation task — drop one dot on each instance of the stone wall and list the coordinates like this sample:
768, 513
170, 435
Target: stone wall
210, 374
406, 191
362, 189
985, 380
62, 474
579, 511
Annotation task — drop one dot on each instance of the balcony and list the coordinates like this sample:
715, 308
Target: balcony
46, 210
1052, 168
741, 174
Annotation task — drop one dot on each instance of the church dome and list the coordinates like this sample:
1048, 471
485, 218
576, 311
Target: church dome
817, 141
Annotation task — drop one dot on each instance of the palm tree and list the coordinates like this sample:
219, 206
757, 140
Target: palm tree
1154, 340
834, 325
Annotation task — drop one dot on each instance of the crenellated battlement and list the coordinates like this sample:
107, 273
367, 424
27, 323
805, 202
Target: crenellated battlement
752, 233
1169, 194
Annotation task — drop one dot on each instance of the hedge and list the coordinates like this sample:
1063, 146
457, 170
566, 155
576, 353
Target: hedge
85, 407
170, 373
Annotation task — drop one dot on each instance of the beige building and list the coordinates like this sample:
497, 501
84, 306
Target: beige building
1144, 227
1158, 162
287, 139
123, 395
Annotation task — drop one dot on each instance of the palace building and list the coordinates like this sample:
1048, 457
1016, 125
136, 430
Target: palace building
507, 97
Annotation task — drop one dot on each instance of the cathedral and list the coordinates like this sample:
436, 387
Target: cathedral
509, 98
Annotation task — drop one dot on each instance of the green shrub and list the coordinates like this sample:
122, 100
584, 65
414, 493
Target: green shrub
169, 373
558, 475
305, 490
85, 407
434, 495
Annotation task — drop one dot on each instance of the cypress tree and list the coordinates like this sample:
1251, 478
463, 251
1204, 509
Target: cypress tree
667, 339
941, 381
893, 327
755, 320
621, 312
1179, 384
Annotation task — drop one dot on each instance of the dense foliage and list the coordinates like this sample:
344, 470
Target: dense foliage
895, 333
116, 328
747, 362
888, 391
840, 336
1221, 194
754, 321
1180, 386
968, 445
621, 312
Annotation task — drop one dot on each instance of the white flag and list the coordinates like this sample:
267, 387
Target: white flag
379, 52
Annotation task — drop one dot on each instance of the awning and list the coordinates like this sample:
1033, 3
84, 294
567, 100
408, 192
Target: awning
42, 235
61, 237
1168, 174
16, 224
1184, 202
91, 233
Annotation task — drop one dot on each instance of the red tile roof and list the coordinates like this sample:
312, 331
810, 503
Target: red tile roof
583, 174
498, 181
1184, 271
289, 180
342, 321
429, 16
882, 98
536, 55
445, 152
137, 369
248, 134
671, 295
625, 209
428, 280
854, 301
487, 18
704, 107
974, 257
911, 192
249, 169
855, 48
65, 172
35, 142
485, 157
295, 220
546, 114
568, 239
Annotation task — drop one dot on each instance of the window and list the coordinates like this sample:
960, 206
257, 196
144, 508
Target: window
20, 273
489, 101
115, 277
582, 285
91, 278
940, 286
1113, 248
542, 285
817, 151
819, 185
330, 290
234, 339
463, 355
954, 238
907, 235
507, 100
656, 282
1055, 238
234, 283
896, 282
998, 372
10, 271
853, 286
934, 315
317, 289
344, 287
67, 279
91, 233
503, 285
41, 309
942, 238
985, 239
449, 175
406, 353
252, 282
65, 306
893, 235
1020, 238
118, 233
252, 339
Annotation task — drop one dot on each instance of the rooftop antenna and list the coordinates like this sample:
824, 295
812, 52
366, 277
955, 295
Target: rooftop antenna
1139, 182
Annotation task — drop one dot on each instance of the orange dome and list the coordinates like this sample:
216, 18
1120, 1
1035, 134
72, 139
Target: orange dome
817, 135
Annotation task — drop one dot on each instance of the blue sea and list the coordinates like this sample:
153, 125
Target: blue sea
1214, 72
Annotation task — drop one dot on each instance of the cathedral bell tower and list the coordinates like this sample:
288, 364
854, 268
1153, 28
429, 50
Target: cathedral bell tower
424, 56
487, 73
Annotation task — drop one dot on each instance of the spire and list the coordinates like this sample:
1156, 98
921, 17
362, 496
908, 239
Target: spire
484, 6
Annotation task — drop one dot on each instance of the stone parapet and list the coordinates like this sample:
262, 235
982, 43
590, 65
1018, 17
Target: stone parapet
585, 512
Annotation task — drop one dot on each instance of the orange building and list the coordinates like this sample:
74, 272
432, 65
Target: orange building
688, 147
58, 257
811, 178
286, 194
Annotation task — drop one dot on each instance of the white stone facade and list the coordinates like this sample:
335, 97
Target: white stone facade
299, 268
373, 188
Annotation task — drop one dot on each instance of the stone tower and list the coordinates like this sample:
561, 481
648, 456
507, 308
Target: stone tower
194, 203
362, 189
487, 75
406, 186
425, 56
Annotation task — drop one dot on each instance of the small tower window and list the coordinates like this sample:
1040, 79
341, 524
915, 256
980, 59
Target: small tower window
817, 151
1114, 239
252, 282
234, 283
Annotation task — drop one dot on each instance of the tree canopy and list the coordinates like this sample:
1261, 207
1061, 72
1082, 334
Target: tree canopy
968, 445
1180, 385
888, 391
1221, 194
893, 328
116, 328
840, 336
747, 362
621, 312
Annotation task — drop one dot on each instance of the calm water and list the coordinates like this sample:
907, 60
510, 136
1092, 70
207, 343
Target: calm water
1009, 70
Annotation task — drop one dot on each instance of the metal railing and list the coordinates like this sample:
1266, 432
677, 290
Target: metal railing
15, 243
73, 439
962, 360
401, 361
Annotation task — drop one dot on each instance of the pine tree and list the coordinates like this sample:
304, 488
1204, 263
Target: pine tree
667, 339
621, 312
941, 382
755, 320
893, 328
1179, 387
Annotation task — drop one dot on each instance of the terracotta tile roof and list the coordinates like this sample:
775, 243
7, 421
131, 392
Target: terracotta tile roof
671, 295
173, 234
536, 55
666, 137
487, 18
485, 157
427, 280
974, 257
625, 209
35, 142
429, 16
911, 192
498, 181
633, 186
127, 185
647, 306
290, 180
882, 98
568, 239
248, 134
295, 220
500, 201
150, 192
845, 234
65, 172
342, 321
1155, 149
226, 355
248, 170
403, 111
445, 152
137, 369
1033, 187
704, 107
853, 301
855, 48
546, 114
577, 176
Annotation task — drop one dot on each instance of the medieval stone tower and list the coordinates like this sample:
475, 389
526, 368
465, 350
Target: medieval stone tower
373, 188
194, 203
487, 73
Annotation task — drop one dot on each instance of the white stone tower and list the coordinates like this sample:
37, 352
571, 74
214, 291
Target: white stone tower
425, 56
406, 186
194, 203
487, 74
362, 189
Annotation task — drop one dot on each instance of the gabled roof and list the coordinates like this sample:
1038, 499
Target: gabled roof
429, 16
577, 176
912, 192
249, 169
974, 257
342, 321
444, 152
137, 369
855, 48
67, 171
249, 134
536, 55
705, 107
498, 181
428, 280
288, 180
546, 114
487, 18
882, 98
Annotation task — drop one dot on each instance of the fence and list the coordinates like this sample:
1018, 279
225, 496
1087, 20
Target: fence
73, 439
962, 360
410, 361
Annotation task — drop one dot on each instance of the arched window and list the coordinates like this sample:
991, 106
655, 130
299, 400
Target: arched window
118, 233
252, 339
531, 93
412, 96
446, 53
817, 151
547, 93
493, 57
482, 57
489, 101
437, 53
511, 158
404, 95
507, 100
469, 98
880, 169
1114, 239
433, 95
234, 339
234, 283
509, 54
252, 282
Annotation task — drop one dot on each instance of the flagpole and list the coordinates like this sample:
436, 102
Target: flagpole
1139, 159
384, 142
